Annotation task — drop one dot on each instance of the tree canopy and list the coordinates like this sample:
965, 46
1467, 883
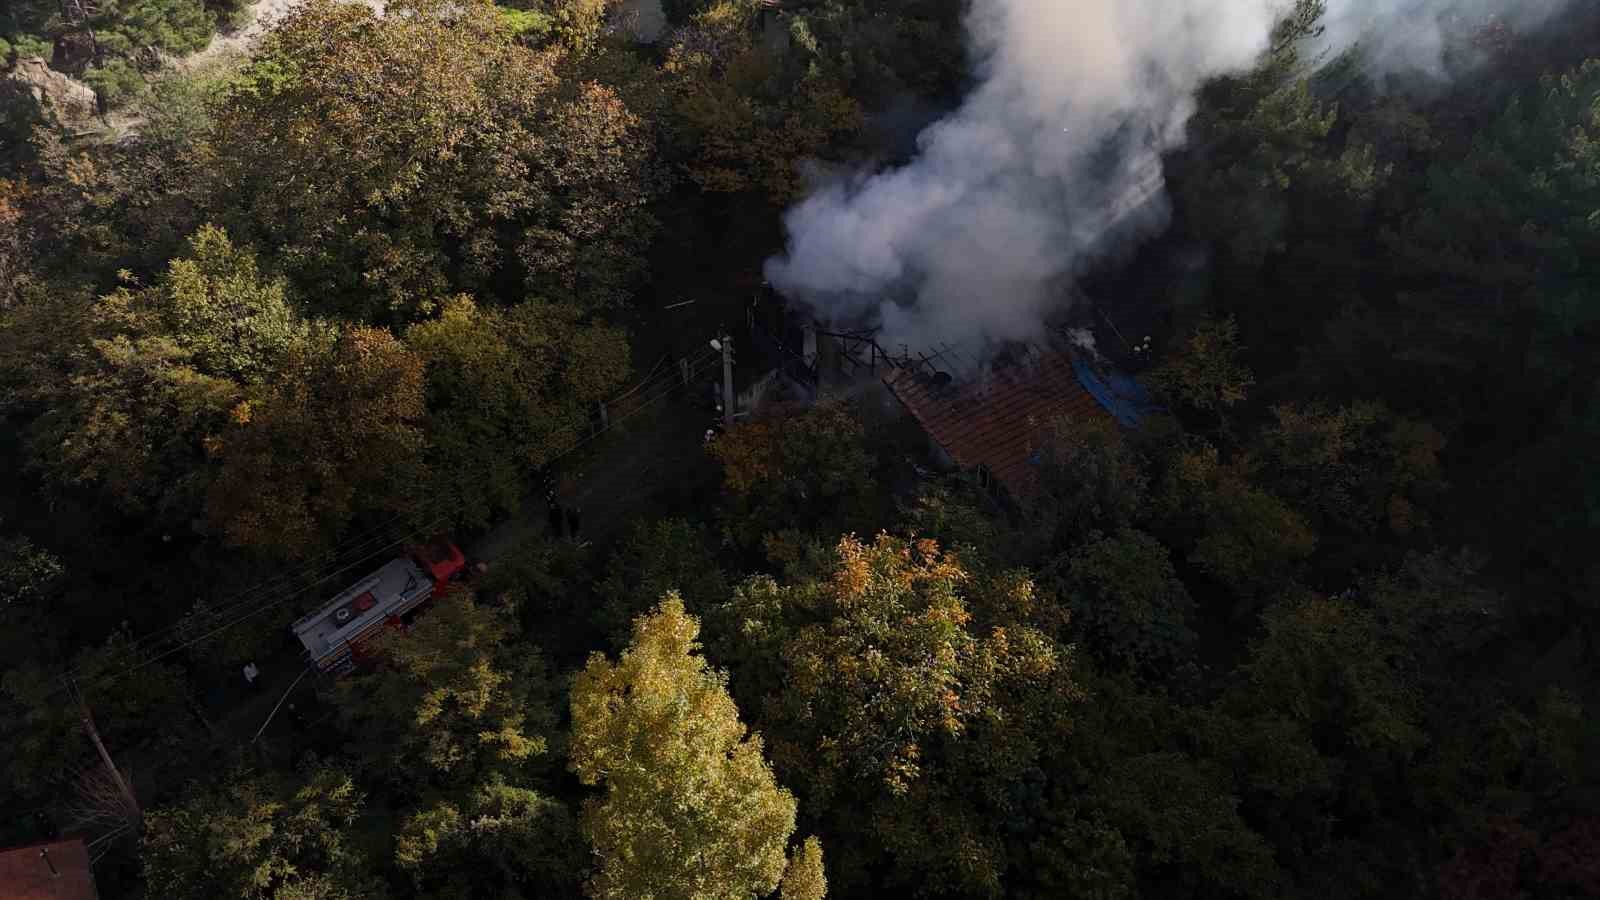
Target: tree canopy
691, 807
277, 314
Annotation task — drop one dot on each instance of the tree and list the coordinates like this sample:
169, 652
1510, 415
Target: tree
157, 373
1323, 723
745, 115
457, 700
1127, 600
1090, 477
1181, 823
1496, 257
1357, 469
668, 556
501, 840
691, 809
908, 698
26, 571
336, 433
1243, 536
507, 390
1205, 374
93, 209
394, 160
43, 728
803, 878
259, 837
811, 468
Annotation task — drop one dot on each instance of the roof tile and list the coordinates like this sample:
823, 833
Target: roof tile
998, 421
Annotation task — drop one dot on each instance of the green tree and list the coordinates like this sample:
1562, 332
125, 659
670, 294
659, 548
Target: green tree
457, 699
1496, 259
336, 433
259, 837
907, 698
156, 375
1182, 824
1127, 600
668, 556
1363, 478
744, 114
1205, 374
501, 840
804, 878
394, 160
1322, 724
690, 809
27, 571
1243, 536
810, 470
1090, 477
132, 702
506, 391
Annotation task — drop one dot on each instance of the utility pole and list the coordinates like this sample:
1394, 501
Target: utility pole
94, 735
726, 346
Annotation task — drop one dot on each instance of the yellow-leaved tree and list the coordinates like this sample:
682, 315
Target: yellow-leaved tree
691, 808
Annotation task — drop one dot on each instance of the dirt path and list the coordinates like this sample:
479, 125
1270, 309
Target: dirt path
263, 16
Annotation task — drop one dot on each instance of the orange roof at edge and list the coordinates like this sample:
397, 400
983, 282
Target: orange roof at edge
25, 875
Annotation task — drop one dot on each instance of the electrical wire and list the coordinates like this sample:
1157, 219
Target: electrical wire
354, 544
664, 391
365, 542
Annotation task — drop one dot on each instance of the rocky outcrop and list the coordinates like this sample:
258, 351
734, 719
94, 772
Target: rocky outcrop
62, 97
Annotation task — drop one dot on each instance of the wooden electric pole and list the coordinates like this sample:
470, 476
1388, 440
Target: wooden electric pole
105, 756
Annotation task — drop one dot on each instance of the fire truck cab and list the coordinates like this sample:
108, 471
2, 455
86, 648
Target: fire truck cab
333, 635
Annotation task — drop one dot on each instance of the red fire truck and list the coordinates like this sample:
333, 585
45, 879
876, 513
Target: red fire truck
333, 635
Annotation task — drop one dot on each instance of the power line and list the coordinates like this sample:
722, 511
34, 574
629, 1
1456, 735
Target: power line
100, 679
664, 391
353, 544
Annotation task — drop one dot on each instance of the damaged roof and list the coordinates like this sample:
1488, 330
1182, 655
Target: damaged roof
998, 419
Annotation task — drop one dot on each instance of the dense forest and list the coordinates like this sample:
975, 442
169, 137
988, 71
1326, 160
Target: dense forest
1326, 627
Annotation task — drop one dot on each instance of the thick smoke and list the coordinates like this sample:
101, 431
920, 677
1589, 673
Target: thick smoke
1409, 38
1053, 158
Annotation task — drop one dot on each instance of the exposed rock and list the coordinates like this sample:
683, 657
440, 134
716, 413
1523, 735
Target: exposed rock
69, 101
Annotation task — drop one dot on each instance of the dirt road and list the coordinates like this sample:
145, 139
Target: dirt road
263, 16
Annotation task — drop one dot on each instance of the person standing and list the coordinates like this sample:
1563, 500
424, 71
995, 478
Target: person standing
252, 676
573, 514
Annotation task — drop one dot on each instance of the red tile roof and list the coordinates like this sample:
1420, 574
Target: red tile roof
998, 421
25, 875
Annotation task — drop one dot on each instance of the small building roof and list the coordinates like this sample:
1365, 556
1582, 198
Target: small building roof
27, 875
998, 418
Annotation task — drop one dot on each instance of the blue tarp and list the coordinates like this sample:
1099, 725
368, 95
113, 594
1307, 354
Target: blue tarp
1122, 396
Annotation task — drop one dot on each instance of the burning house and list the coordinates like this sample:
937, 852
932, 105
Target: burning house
984, 410
992, 419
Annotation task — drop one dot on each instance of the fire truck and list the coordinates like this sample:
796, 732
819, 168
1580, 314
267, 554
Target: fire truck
333, 635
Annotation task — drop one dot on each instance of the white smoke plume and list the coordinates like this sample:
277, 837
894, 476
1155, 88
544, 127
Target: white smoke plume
1409, 38
1014, 193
